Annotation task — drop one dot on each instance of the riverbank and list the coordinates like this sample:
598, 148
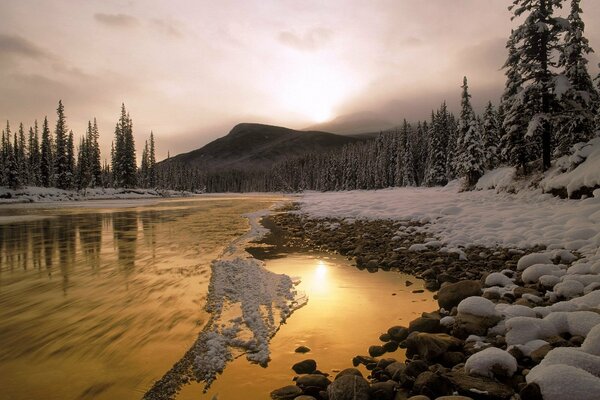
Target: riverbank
514, 321
34, 194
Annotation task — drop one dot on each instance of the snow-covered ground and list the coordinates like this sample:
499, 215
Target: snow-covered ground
34, 194
570, 229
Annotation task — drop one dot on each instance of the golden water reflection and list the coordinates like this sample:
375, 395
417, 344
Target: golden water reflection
99, 303
346, 312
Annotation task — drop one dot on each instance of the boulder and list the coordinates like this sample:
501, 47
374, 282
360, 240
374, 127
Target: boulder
305, 367
286, 393
349, 371
451, 294
429, 346
312, 381
431, 384
469, 324
383, 390
349, 387
302, 349
376, 351
466, 384
398, 333
424, 324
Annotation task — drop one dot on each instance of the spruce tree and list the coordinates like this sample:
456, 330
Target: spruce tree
34, 157
438, 140
21, 155
536, 40
143, 181
11, 166
491, 137
62, 172
70, 161
94, 154
470, 154
152, 162
579, 96
46, 162
123, 158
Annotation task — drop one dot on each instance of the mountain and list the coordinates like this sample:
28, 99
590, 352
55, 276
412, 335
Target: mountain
360, 123
250, 145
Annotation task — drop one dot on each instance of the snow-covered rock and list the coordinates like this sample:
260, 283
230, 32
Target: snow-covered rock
492, 359
478, 306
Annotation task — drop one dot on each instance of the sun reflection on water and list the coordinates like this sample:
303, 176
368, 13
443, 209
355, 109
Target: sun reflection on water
320, 282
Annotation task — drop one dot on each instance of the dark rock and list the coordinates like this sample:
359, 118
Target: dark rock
532, 392
286, 393
465, 385
452, 294
313, 383
376, 351
408, 283
302, 349
424, 324
391, 346
468, 324
385, 337
431, 384
395, 369
398, 333
305, 367
364, 360
429, 345
415, 368
538, 354
432, 285
451, 358
418, 291
349, 387
384, 362
349, 371
383, 390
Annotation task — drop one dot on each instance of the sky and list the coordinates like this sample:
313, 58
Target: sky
189, 70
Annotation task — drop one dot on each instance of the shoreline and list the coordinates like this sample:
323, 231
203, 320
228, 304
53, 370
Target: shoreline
438, 343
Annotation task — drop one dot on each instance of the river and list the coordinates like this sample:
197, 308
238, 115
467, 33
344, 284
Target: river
99, 300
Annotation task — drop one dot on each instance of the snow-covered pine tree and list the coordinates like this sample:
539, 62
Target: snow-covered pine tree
408, 160
515, 148
34, 157
491, 136
435, 174
94, 154
536, 40
70, 160
578, 96
11, 168
152, 162
62, 172
21, 155
84, 170
451, 150
469, 144
46, 157
143, 181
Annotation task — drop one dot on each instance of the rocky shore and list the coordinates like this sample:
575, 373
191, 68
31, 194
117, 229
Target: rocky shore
482, 342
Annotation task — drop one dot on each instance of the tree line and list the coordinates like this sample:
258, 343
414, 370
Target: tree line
549, 103
50, 160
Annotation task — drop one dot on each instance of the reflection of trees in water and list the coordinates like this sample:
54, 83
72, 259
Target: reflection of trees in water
90, 239
125, 226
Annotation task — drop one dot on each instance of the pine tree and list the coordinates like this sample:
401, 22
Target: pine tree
70, 160
94, 154
34, 157
536, 40
470, 161
46, 162
515, 148
143, 181
491, 137
62, 171
579, 96
152, 162
123, 160
21, 155
438, 140
84, 171
11, 166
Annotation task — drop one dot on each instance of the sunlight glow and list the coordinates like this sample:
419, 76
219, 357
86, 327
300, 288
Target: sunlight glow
320, 283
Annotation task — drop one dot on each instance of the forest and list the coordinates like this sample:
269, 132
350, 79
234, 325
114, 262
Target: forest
549, 103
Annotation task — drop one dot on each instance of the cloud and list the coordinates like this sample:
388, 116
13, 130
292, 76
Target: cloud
166, 27
116, 20
17, 46
309, 41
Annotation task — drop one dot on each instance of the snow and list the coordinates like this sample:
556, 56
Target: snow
533, 273
585, 174
521, 330
569, 289
247, 304
498, 279
491, 359
498, 179
33, 194
533, 258
556, 381
476, 305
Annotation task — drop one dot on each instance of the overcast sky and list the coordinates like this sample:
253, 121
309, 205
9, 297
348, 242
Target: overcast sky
190, 69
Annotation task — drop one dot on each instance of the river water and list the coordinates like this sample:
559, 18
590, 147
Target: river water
100, 301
